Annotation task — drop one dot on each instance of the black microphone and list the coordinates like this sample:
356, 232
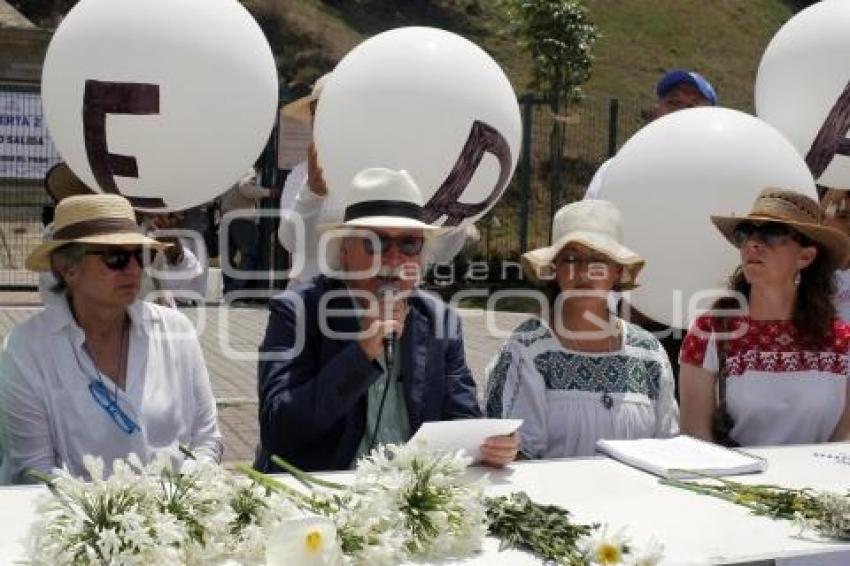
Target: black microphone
386, 294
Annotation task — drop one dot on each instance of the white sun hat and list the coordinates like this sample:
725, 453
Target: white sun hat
594, 224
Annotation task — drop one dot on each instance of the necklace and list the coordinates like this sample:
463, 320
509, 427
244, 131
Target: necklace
613, 345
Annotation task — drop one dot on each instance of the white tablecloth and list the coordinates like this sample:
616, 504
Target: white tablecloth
694, 529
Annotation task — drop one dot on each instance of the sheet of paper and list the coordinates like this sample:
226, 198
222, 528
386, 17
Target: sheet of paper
463, 434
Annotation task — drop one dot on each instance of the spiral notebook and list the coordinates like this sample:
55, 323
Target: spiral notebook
681, 456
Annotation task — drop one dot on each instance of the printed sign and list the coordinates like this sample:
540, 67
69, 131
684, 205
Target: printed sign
26, 150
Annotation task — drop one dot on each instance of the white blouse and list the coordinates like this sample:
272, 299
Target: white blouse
779, 388
49, 418
568, 399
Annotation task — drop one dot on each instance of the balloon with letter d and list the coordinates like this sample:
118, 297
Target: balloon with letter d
427, 101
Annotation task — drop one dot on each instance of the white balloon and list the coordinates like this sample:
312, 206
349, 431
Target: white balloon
409, 99
217, 95
670, 177
802, 74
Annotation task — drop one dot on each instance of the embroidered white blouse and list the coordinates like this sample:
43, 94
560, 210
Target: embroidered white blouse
779, 389
568, 399
49, 418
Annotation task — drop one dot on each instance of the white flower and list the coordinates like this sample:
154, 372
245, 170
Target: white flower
604, 549
835, 521
651, 555
303, 542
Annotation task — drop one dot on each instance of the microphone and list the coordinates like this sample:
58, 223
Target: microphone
386, 294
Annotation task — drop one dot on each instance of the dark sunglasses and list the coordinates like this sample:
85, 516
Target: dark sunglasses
117, 259
101, 395
769, 233
406, 245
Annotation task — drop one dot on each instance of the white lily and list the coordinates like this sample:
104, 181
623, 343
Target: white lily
304, 541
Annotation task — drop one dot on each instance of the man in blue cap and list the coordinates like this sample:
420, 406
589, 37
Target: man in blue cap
679, 89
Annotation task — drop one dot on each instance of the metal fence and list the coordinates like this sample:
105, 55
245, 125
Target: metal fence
559, 156
26, 153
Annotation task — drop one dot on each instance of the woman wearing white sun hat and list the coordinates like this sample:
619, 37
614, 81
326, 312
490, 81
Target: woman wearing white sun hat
579, 373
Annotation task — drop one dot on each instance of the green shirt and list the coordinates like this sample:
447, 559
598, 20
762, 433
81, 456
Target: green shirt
395, 425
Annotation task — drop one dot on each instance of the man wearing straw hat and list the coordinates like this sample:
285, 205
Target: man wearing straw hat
101, 372
362, 358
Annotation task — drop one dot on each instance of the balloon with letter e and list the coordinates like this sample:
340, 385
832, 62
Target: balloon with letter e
166, 102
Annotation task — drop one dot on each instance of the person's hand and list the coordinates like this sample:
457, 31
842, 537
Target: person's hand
374, 328
498, 451
315, 177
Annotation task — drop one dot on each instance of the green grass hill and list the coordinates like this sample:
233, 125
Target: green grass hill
723, 39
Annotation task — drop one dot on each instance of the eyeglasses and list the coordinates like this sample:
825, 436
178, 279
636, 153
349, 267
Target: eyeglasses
117, 259
770, 234
101, 395
406, 245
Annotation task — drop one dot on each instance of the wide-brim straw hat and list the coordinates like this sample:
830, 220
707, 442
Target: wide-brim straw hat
300, 109
60, 183
99, 219
384, 198
594, 224
797, 211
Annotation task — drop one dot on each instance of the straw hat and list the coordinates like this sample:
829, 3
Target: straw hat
100, 219
60, 182
300, 109
383, 198
595, 224
793, 209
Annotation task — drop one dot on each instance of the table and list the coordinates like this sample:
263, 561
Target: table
694, 529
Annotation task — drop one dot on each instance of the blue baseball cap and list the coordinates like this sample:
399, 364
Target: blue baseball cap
678, 77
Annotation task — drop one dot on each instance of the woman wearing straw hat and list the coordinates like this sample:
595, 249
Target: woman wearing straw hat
578, 373
101, 372
775, 369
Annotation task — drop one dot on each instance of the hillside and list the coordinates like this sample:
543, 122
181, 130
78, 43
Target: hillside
639, 38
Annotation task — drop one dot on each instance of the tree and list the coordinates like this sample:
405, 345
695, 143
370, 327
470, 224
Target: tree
559, 36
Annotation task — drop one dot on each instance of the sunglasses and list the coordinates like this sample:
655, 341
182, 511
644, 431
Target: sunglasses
101, 395
770, 234
117, 259
406, 245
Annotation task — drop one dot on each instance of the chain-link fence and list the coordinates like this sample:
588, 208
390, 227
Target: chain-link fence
26, 153
559, 156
